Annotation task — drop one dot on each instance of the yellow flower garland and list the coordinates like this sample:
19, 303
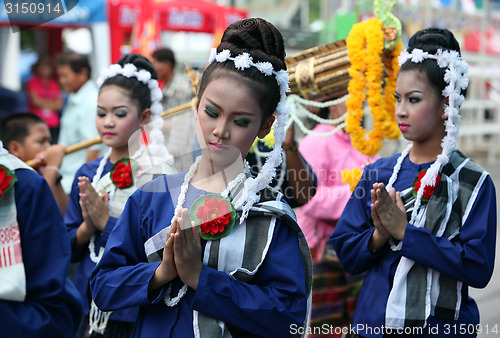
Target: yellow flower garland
351, 176
268, 141
365, 45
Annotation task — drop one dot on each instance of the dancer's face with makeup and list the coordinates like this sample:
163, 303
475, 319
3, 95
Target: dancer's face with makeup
229, 119
419, 109
118, 116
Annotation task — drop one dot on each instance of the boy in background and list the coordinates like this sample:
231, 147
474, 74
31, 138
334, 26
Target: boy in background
27, 136
36, 297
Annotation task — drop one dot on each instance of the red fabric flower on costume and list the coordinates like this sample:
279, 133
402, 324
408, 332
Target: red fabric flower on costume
121, 174
7, 179
215, 215
428, 190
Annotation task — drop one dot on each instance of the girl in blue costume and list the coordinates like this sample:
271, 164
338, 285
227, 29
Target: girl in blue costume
36, 297
128, 99
253, 279
423, 222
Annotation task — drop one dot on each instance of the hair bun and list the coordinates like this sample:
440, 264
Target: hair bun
432, 39
257, 37
140, 61
248, 24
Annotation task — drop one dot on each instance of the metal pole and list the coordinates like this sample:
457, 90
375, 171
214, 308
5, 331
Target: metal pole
304, 13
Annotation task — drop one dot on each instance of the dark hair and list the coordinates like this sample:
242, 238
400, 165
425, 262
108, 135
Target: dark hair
164, 55
16, 127
264, 43
43, 60
138, 91
431, 40
77, 62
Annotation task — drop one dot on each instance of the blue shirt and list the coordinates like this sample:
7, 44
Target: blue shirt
470, 259
52, 307
73, 219
275, 300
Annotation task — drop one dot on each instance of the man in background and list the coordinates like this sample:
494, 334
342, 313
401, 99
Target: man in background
180, 129
78, 116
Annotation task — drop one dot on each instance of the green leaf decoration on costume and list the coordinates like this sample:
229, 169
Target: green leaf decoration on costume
214, 216
7, 179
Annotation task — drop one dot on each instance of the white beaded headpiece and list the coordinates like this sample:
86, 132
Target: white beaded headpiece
253, 185
454, 76
130, 70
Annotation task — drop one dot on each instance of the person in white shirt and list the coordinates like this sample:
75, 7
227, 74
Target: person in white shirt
180, 130
78, 116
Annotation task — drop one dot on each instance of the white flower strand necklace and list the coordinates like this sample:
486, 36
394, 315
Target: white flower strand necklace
180, 202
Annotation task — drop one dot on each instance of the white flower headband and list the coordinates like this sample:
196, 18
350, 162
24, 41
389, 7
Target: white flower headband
454, 76
253, 185
130, 70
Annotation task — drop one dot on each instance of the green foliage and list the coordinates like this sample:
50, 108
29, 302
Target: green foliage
27, 39
314, 10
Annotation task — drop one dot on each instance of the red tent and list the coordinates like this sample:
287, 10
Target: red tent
491, 41
195, 15
171, 15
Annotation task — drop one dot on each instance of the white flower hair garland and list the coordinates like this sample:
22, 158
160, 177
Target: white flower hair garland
253, 185
130, 70
456, 68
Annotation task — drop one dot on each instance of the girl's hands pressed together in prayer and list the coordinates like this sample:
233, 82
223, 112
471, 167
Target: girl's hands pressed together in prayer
380, 235
94, 207
388, 208
181, 254
166, 271
187, 250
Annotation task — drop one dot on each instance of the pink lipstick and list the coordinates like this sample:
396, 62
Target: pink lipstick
217, 146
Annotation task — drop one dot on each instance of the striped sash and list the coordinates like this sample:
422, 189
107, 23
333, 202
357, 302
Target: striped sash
12, 275
419, 292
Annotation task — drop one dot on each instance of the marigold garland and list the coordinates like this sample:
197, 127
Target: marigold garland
366, 52
268, 141
365, 45
351, 176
